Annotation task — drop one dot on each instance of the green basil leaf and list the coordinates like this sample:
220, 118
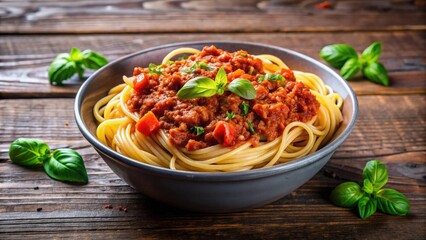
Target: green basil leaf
28, 152
183, 57
66, 165
191, 69
377, 73
336, 55
61, 69
221, 80
205, 66
251, 129
377, 173
156, 69
350, 68
245, 108
392, 202
229, 115
76, 55
368, 186
198, 87
346, 194
261, 78
93, 60
372, 53
79, 68
198, 130
273, 77
367, 206
243, 88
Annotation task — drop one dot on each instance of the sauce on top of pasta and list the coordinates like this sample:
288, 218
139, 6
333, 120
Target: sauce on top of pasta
226, 119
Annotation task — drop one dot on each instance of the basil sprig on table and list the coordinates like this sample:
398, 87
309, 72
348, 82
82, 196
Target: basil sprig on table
65, 65
371, 196
345, 58
207, 87
28, 152
62, 165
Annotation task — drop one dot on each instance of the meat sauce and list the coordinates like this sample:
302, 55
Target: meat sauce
264, 118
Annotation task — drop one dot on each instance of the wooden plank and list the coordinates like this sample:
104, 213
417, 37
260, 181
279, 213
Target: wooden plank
24, 59
389, 128
113, 16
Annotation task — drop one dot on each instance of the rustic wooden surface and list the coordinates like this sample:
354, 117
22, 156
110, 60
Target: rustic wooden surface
391, 126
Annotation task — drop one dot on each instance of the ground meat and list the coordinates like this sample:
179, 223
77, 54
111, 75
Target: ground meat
277, 103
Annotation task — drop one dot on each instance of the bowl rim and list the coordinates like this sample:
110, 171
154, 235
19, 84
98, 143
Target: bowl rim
329, 148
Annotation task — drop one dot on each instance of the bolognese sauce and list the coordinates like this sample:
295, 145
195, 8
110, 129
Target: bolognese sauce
225, 119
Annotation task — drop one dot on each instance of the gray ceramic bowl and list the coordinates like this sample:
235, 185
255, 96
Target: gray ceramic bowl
211, 192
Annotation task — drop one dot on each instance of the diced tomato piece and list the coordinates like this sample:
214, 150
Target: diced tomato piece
140, 82
288, 74
225, 133
148, 124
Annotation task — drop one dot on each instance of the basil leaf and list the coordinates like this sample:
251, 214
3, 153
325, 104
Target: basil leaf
28, 152
336, 55
243, 88
230, 115
62, 68
93, 60
76, 55
367, 206
183, 57
251, 129
205, 66
261, 78
245, 108
376, 173
372, 53
221, 80
274, 77
198, 130
66, 165
392, 202
198, 87
191, 69
79, 68
377, 73
367, 186
350, 68
346, 194
155, 69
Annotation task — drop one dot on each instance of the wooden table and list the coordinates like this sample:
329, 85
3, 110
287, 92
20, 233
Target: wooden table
391, 125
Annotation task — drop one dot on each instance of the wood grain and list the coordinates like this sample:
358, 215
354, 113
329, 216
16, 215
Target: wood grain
113, 16
389, 128
25, 59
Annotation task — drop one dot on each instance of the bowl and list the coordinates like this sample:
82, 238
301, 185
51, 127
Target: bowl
211, 192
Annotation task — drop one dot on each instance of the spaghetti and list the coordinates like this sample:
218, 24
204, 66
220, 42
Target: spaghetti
312, 117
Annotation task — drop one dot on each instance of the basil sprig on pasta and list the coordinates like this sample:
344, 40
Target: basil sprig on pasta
371, 196
62, 164
65, 65
207, 87
345, 58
